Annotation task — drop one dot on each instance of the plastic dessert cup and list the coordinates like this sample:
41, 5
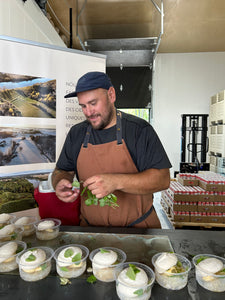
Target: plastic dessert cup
17, 234
129, 289
28, 228
102, 270
47, 233
172, 281
10, 264
12, 217
209, 281
73, 266
35, 270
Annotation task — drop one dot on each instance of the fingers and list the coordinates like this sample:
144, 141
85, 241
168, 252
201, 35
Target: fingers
99, 185
64, 191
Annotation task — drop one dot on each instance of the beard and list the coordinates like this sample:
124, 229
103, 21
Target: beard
105, 119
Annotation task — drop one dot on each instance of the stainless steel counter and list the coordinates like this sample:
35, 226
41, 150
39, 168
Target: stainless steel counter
185, 242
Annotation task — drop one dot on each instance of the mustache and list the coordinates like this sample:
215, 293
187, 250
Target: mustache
93, 116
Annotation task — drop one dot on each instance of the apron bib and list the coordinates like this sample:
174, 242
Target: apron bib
113, 157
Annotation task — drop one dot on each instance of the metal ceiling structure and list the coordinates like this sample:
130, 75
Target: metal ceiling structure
124, 52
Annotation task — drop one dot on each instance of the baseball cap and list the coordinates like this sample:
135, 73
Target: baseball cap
91, 81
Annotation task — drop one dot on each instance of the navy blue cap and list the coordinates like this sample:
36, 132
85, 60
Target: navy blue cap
91, 81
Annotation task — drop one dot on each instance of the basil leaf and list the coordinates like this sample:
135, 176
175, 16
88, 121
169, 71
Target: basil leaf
200, 259
76, 184
69, 252
65, 269
91, 279
31, 257
139, 292
77, 257
132, 271
104, 250
44, 266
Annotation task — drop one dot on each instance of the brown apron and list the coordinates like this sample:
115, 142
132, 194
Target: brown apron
113, 157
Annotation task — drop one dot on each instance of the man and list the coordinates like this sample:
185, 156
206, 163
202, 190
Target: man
111, 152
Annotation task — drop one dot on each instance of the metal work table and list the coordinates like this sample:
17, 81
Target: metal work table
185, 242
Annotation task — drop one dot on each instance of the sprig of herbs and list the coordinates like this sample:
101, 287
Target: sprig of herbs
110, 200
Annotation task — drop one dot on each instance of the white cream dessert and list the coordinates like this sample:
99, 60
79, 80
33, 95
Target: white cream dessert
47, 230
171, 270
131, 283
46, 225
211, 265
27, 224
210, 273
34, 265
6, 230
69, 262
165, 261
102, 264
4, 219
8, 233
8, 257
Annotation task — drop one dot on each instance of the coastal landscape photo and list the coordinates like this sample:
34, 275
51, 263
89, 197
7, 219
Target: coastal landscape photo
27, 96
20, 146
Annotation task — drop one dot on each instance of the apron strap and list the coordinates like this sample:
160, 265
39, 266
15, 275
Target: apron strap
142, 218
118, 127
87, 136
118, 131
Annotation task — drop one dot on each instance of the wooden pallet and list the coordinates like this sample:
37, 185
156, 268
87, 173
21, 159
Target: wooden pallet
195, 224
177, 224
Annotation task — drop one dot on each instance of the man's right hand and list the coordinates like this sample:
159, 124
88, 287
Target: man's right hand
64, 191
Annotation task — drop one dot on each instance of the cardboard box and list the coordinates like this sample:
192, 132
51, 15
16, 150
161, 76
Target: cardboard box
191, 181
206, 207
211, 186
199, 219
181, 218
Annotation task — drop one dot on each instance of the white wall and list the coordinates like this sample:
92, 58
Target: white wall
25, 20
183, 84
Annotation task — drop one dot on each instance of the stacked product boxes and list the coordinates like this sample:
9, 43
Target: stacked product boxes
198, 198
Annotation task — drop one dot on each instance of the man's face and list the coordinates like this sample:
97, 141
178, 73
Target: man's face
98, 107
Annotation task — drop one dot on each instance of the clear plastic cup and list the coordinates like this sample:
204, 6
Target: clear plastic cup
17, 234
35, 270
8, 262
6, 218
67, 268
28, 227
140, 287
48, 233
103, 270
210, 281
171, 280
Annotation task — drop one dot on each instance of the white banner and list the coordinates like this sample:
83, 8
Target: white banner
34, 115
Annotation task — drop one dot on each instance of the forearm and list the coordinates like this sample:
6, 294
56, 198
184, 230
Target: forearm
146, 182
59, 174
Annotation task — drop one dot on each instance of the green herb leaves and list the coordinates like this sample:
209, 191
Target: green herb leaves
31, 257
110, 200
132, 271
200, 259
76, 184
91, 279
69, 253
104, 250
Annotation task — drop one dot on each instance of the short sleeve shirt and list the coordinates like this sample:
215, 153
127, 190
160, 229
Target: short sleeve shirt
143, 144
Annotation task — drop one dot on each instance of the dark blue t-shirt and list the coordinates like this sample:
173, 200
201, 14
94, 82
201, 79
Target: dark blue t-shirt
141, 140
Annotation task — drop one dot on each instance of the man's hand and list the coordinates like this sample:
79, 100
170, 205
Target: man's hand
64, 191
101, 185
141, 183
